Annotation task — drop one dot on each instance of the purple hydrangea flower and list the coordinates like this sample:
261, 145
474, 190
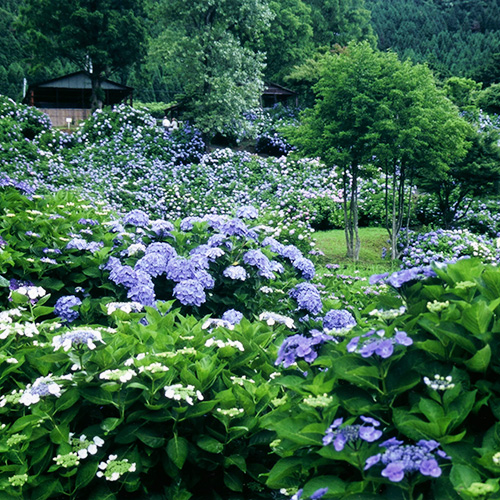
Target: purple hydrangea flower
291, 252
64, 308
235, 227
190, 293
257, 259
340, 434
153, 264
188, 223
232, 316
235, 273
376, 343
306, 267
300, 346
136, 218
338, 320
400, 459
162, 228
307, 297
274, 245
122, 275
168, 251
247, 212
179, 269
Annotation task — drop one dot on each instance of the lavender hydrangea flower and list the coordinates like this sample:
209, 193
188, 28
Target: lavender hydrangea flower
84, 336
307, 297
161, 227
153, 264
274, 245
142, 290
232, 316
377, 343
338, 320
257, 259
164, 249
64, 308
122, 275
235, 227
400, 459
291, 252
179, 269
41, 387
306, 267
136, 218
235, 273
341, 435
190, 293
247, 212
320, 493
188, 223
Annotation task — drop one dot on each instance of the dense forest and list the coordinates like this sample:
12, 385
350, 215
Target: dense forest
269, 38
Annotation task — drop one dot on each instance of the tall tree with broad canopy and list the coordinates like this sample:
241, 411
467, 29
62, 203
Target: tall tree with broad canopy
372, 109
210, 48
99, 36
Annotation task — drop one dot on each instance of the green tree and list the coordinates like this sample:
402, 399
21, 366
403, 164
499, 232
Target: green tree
371, 108
209, 49
99, 36
477, 174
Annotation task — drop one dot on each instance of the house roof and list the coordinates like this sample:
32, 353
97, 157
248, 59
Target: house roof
79, 80
275, 89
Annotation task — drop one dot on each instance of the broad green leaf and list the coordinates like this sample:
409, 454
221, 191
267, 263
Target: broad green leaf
150, 438
282, 473
334, 484
210, 444
480, 361
177, 450
477, 318
86, 473
3, 282
67, 400
462, 476
233, 481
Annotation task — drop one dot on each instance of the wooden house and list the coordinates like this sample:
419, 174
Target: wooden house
274, 94
68, 97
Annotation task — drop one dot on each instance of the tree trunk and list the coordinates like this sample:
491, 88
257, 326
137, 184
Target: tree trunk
96, 98
349, 237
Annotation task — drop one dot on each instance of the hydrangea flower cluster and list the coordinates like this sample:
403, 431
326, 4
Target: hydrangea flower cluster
320, 493
439, 383
307, 297
400, 459
113, 469
338, 321
341, 435
272, 318
300, 346
76, 338
64, 308
83, 447
375, 342
41, 387
180, 393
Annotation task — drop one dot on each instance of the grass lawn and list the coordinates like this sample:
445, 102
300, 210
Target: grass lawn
373, 239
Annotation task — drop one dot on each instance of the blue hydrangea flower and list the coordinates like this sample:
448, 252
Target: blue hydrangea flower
188, 223
315, 496
190, 293
306, 267
235, 273
136, 218
168, 251
153, 264
142, 290
400, 459
338, 320
307, 297
377, 343
296, 346
77, 244
179, 269
232, 316
235, 227
247, 212
123, 275
64, 308
274, 245
162, 228
291, 252
341, 435
257, 259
